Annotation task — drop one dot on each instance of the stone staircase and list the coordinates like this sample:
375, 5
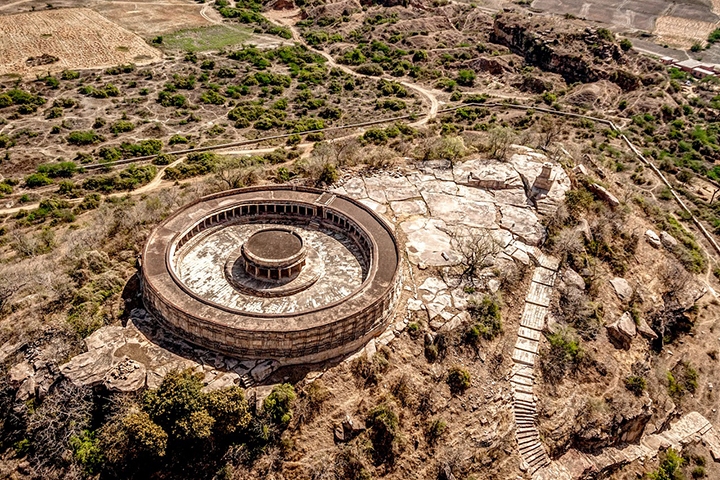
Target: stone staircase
524, 356
247, 381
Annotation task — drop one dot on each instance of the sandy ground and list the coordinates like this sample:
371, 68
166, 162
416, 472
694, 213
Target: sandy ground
79, 37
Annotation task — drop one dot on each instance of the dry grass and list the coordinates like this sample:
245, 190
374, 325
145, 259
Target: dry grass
79, 38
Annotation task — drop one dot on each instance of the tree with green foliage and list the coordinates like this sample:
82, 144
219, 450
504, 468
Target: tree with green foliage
466, 78
278, 405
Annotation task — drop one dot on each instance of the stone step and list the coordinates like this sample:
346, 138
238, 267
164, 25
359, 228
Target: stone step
525, 406
526, 430
524, 417
531, 346
529, 333
539, 462
521, 380
528, 438
544, 276
537, 457
531, 412
523, 423
524, 358
523, 389
529, 451
533, 316
247, 381
524, 397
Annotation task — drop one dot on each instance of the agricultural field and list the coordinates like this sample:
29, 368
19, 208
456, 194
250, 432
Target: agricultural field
54, 40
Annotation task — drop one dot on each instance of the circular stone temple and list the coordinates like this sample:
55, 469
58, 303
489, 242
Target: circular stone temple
294, 274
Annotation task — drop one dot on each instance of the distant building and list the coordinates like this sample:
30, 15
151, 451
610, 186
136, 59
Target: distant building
700, 72
668, 60
688, 65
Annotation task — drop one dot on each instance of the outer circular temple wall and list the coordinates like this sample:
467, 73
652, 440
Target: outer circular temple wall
310, 336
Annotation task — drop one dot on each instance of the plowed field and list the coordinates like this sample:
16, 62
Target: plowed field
78, 37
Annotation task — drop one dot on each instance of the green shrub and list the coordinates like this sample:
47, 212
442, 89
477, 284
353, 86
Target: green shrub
458, 379
87, 137
370, 69
127, 179
384, 425
122, 126
278, 405
487, 319
58, 170
435, 429
635, 384
37, 180
466, 78
670, 467
626, 44
163, 159
87, 451
70, 75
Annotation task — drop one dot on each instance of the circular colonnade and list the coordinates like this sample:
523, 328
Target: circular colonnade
297, 275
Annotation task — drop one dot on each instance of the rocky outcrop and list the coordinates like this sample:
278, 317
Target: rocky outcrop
692, 428
126, 359
495, 65
577, 53
652, 238
604, 194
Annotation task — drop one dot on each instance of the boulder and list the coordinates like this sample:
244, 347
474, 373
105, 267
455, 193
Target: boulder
583, 228
26, 390
645, 330
19, 373
622, 331
573, 279
668, 240
603, 194
652, 238
348, 429
580, 170
126, 376
622, 288
455, 322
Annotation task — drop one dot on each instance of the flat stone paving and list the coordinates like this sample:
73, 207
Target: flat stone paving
201, 268
431, 203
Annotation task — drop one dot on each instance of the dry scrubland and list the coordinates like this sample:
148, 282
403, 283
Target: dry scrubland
79, 38
434, 403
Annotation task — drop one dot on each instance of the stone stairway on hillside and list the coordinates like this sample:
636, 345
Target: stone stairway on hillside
524, 356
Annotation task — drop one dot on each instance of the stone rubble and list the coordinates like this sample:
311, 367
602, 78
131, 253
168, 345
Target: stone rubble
139, 355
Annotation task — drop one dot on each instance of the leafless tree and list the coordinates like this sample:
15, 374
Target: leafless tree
229, 172
549, 130
64, 413
477, 249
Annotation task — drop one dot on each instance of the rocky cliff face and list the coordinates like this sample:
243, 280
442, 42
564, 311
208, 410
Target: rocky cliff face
577, 53
591, 424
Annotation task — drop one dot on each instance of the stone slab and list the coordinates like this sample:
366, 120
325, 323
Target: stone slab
533, 316
531, 346
529, 333
539, 294
521, 356
544, 276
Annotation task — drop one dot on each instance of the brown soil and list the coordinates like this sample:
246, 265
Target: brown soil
79, 38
